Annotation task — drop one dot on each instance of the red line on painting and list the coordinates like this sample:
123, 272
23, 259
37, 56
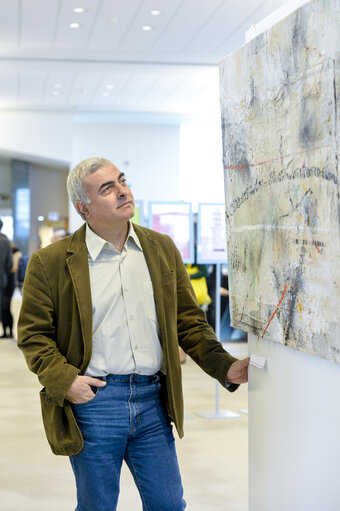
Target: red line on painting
275, 311
235, 167
317, 248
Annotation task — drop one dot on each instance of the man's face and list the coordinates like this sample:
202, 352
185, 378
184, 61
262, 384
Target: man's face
111, 198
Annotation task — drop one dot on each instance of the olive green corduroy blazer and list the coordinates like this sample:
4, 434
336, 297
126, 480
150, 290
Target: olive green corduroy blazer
55, 327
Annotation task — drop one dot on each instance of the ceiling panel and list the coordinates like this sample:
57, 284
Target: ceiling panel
83, 88
110, 88
194, 84
9, 86
112, 23
57, 88
38, 20
31, 87
166, 84
188, 20
235, 37
135, 88
9, 24
137, 39
213, 34
76, 38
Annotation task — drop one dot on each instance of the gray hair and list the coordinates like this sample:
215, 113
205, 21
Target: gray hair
75, 187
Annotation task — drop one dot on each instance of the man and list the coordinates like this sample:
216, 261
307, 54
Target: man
5, 264
103, 313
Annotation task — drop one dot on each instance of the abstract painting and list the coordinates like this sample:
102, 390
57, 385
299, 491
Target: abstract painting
281, 138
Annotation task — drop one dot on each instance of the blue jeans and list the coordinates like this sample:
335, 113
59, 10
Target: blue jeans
127, 420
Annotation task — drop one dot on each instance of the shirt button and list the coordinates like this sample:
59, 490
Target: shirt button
136, 347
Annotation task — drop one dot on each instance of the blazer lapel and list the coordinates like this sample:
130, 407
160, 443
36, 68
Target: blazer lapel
151, 255
77, 263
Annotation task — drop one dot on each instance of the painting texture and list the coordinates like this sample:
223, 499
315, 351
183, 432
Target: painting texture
281, 128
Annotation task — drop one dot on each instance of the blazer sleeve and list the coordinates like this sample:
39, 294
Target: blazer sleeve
195, 335
37, 334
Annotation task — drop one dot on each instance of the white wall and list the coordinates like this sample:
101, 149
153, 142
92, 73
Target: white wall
201, 167
48, 194
46, 135
294, 429
147, 154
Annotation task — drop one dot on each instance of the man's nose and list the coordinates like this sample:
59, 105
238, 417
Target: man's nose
121, 192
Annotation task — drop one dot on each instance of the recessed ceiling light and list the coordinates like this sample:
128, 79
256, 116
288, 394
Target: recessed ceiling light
110, 86
55, 93
155, 12
57, 85
40, 218
147, 28
105, 94
74, 25
78, 10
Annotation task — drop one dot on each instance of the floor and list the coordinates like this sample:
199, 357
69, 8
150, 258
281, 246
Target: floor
213, 454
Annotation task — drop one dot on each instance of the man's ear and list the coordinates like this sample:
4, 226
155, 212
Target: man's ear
82, 208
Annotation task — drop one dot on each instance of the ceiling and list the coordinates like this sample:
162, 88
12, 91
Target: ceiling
110, 63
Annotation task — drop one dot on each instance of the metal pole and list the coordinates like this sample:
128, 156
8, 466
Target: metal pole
218, 414
218, 326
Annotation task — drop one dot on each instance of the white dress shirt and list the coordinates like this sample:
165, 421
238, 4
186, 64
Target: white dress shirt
124, 321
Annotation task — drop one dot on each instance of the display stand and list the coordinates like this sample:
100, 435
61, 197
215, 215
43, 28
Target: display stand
211, 232
175, 220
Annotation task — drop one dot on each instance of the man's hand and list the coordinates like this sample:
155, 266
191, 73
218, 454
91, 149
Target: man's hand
238, 371
80, 390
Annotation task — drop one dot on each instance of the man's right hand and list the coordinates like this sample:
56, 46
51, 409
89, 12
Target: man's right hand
80, 390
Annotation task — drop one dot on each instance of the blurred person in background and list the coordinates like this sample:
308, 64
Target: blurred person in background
7, 318
227, 332
197, 274
6, 264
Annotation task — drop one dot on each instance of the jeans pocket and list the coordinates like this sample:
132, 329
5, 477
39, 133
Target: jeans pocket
96, 391
157, 382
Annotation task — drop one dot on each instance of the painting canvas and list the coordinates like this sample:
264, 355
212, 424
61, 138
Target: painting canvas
281, 137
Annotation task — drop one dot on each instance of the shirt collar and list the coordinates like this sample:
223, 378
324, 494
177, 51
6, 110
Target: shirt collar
95, 243
132, 234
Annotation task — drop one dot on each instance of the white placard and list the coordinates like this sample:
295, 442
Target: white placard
211, 234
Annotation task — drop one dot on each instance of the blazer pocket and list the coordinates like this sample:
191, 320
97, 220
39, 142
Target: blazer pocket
61, 428
169, 277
